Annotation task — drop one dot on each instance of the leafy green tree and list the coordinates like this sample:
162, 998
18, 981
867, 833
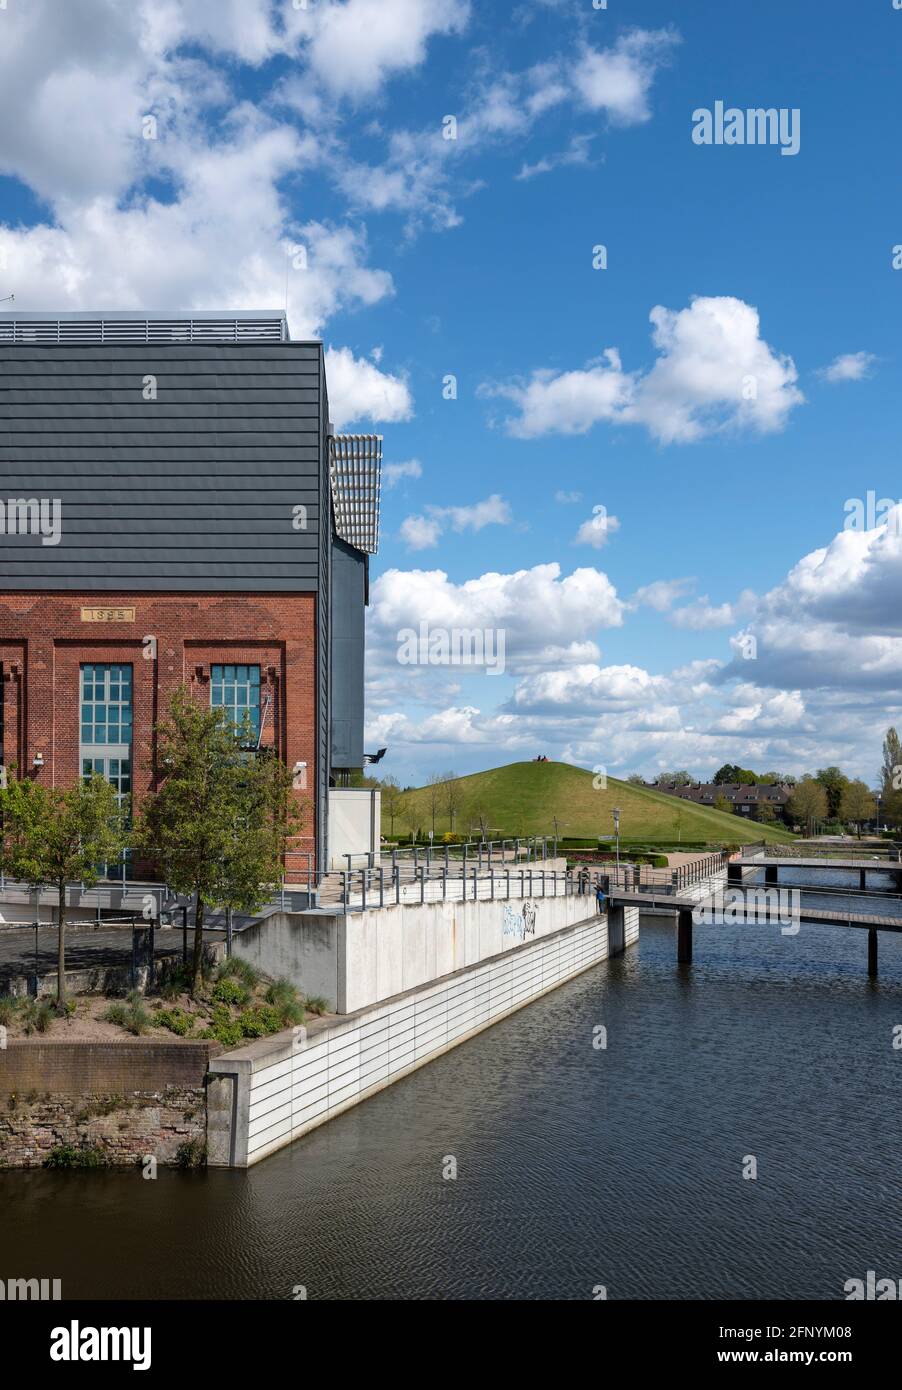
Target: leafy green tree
723, 803
676, 779
892, 757
808, 802
891, 778
218, 826
857, 804
52, 836
834, 783
764, 812
732, 772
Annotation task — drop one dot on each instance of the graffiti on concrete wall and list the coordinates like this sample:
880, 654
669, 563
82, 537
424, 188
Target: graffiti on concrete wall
520, 924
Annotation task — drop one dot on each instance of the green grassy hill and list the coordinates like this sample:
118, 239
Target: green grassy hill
524, 798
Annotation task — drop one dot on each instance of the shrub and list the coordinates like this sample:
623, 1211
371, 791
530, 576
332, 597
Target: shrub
176, 1020
176, 983
37, 1015
132, 1015
191, 1154
8, 1008
224, 1028
659, 861
316, 1004
235, 968
68, 1156
286, 1000
231, 991
259, 1022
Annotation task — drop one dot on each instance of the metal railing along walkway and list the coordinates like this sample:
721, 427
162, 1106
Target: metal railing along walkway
362, 889
635, 878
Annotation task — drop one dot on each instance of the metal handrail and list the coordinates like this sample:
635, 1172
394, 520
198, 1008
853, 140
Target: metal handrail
364, 889
642, 879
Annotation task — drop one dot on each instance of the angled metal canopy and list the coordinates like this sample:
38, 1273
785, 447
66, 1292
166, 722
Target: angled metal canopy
355, 473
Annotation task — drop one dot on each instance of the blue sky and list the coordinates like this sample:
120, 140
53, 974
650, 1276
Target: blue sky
321, 127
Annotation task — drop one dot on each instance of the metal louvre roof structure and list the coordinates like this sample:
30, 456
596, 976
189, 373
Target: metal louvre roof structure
355, 473
212, 327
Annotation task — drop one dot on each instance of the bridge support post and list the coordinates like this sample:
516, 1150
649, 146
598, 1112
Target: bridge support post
684, 936
861, 879
616, 931
872, 952
772, 873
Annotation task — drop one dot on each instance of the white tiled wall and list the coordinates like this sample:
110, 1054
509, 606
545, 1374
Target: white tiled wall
340, 1066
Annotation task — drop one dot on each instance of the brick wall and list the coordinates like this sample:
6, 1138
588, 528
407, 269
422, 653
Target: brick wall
43, 641
128, 1099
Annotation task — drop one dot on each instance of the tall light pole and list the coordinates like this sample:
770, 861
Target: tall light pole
616, 814
879, 795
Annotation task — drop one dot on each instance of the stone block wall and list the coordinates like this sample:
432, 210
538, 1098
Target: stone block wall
127, 1100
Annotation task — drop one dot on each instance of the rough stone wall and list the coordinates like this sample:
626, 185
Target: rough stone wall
124, 1128
127, 1099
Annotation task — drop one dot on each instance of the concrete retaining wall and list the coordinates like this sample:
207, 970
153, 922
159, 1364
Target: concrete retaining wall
359, 958
264, 1096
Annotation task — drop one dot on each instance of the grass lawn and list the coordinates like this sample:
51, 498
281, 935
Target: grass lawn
524, 798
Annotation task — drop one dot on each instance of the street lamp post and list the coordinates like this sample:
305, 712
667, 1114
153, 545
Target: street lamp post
616, 814
879, 795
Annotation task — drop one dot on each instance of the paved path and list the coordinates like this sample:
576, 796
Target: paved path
84, 949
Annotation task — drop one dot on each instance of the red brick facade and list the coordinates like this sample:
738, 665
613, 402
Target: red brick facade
45, 638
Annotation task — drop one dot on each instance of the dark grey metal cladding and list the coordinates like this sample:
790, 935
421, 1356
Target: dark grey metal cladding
349, 580
195, 490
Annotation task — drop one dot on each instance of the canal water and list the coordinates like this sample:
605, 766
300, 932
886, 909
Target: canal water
578, 1166
880, 897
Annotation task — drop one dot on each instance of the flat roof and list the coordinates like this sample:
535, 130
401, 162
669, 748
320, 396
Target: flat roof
150, 325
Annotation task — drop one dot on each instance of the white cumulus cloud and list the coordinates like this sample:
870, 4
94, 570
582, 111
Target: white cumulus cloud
421, 532
713, 372
392, 473
359, 390
597, 530
849, 366
618, 80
